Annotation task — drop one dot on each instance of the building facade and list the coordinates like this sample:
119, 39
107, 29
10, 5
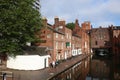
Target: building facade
83, 32
37, 5
86, 27
116, 40
116, 49
101, 40
59, 39
63, 43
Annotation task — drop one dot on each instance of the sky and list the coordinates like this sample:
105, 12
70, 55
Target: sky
98, 12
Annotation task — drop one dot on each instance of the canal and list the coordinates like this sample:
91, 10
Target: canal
103, 68
92, 67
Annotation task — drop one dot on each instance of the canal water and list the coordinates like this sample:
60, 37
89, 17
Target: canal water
103, 68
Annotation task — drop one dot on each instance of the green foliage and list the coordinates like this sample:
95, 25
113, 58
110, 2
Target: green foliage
18, 23
70, 25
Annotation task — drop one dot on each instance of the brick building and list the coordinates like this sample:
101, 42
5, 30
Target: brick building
101, 40
62, 42
116, 40
46, 38
76, 39
83, 33
76, 45
116, 49
57, 38
86, 27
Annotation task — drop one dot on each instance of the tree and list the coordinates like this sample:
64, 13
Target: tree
19, 21
70, 25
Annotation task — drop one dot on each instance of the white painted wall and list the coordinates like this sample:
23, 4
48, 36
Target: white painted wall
27, 62
76, 52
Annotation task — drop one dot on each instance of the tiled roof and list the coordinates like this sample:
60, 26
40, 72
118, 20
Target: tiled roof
34, 50
117, 27
58, 31
76, 35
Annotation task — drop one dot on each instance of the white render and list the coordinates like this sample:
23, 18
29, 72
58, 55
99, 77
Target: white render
28, 62
76, 52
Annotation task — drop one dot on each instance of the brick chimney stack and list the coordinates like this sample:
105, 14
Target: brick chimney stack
44, 21
62, 22
86, 25
76, 21
56, 21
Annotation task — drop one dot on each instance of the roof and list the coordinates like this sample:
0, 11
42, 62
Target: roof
76, 35
116, 27
34, 50
59, 32
54, 30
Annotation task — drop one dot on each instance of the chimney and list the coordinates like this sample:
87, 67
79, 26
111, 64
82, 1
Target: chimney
44, 21
76, 21
62, 22
56, 21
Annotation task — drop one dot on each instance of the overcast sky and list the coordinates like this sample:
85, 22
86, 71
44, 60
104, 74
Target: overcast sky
98, 12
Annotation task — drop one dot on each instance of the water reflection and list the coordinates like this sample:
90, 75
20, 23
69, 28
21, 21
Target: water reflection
100, 68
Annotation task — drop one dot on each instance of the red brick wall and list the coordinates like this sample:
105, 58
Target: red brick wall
116, 46
68, 39
86, 26
100, 38
83, 33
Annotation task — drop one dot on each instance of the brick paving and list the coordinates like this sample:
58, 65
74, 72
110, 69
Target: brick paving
44, 74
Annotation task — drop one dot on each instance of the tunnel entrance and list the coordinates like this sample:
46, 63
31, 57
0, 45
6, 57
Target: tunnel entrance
102, 52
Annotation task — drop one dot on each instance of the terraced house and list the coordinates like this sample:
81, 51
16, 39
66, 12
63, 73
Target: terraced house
63, 42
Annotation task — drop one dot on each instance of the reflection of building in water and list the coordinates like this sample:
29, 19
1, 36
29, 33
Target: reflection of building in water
100, 69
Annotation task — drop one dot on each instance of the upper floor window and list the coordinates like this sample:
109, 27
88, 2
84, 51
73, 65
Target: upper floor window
85, 44
56, 45
67, 44
62, 36
62, 45
56, 35
96, 43
49, 36
67, 35
73, 46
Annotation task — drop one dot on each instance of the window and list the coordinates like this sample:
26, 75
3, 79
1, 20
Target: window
56, 35
62, 36
96, 43
56, 45
67, 44
49, 36
62, 45
73, 46
85, 44
67, 35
